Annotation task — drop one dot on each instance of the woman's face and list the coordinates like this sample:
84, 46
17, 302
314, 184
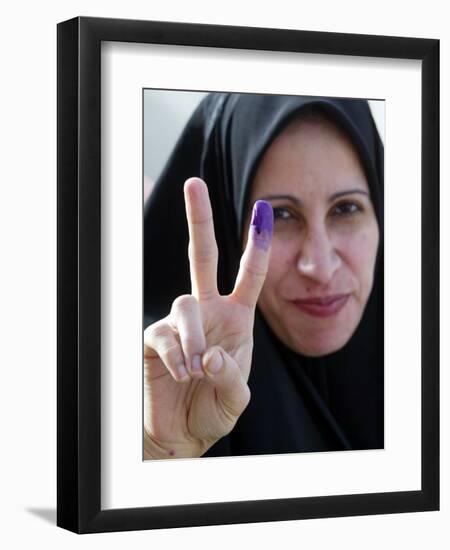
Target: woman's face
325, 237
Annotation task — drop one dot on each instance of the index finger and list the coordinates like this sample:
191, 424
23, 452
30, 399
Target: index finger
203, 253
255, 260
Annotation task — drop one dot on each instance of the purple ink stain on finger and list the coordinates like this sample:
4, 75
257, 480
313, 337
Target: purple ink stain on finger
262, 224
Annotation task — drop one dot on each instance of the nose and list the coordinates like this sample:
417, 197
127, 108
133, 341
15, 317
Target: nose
318, 259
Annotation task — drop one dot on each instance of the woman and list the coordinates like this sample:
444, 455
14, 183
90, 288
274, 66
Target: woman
311, 297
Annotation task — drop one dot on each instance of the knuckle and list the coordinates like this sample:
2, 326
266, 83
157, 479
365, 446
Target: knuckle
191, 343
204, 254
158, 331
154, 332
207, 294
184, 303
161, 342
203, 221
170, 353
255, 271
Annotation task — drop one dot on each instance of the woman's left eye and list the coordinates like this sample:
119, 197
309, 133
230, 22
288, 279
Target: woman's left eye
346, 209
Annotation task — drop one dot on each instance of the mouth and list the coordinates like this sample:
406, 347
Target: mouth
322, 306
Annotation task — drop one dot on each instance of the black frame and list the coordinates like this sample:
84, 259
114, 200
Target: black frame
79, 280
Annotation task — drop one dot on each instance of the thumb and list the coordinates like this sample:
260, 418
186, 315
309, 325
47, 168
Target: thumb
225, 376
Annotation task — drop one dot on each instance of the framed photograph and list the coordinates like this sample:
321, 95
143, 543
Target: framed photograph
299, 381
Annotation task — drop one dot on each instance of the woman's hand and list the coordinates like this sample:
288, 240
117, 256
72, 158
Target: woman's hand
197, 359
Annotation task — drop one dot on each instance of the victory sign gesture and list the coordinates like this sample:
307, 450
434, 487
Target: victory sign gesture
197, 359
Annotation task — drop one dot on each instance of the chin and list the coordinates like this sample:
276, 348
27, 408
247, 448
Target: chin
316, 337
320, 346
320, 341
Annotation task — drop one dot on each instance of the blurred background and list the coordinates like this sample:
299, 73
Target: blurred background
165, 115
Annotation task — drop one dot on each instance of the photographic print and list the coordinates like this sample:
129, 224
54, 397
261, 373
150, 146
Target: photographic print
268, 337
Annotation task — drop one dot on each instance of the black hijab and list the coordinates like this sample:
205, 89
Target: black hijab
298, 404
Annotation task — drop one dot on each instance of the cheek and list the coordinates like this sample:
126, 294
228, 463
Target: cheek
360, 254
281, 260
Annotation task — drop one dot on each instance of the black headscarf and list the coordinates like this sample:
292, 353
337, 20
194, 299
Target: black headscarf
298, 404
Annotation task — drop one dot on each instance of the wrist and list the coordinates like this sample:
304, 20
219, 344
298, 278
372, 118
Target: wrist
156, 450
152, 449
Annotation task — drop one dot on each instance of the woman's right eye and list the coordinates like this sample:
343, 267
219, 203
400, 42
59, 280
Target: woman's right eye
281, 213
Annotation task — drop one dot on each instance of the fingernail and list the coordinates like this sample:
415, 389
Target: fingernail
196, 365
182, 373
262, 224
215, 363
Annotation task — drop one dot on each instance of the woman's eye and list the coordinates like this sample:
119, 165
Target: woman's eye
281, 214
346, 209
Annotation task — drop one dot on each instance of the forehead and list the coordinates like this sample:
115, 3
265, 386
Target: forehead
310, 151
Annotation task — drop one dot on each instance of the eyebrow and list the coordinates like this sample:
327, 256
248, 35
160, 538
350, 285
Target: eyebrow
331, 198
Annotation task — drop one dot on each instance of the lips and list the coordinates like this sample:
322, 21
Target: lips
322, 306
